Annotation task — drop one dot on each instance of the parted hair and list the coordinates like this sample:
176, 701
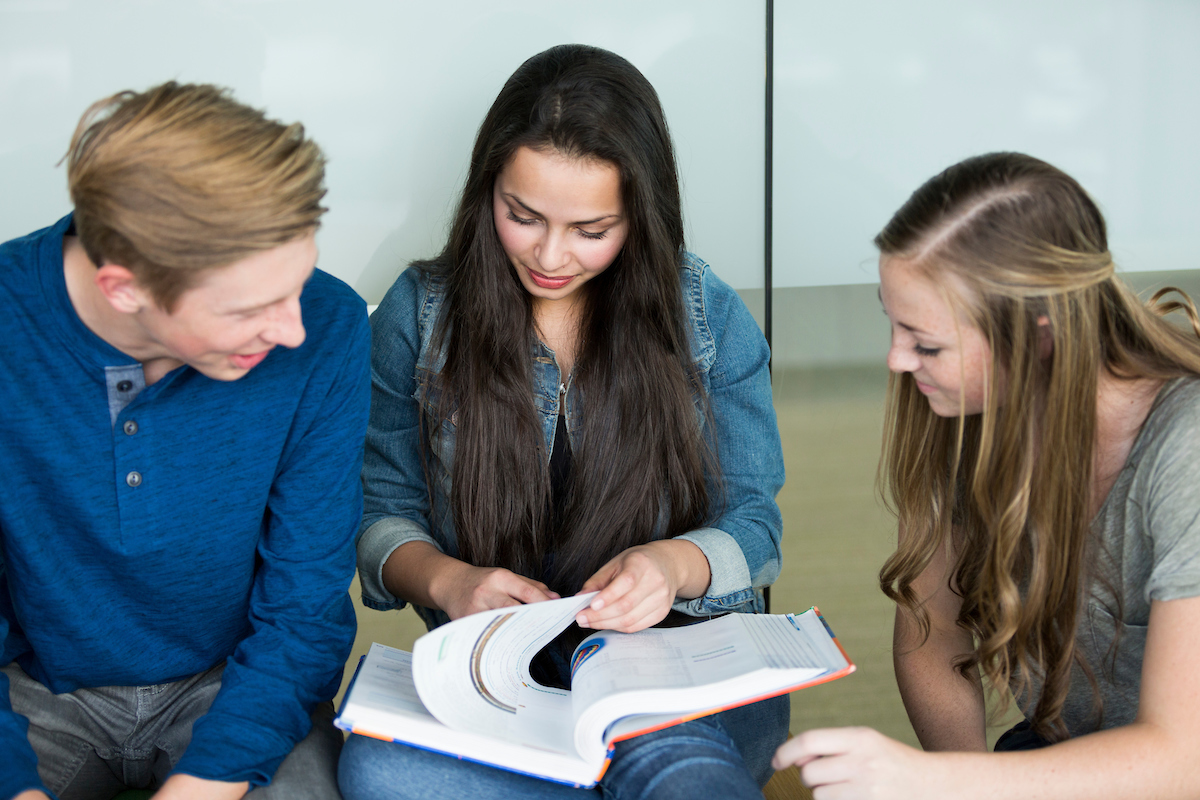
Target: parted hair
1010, 488
640, 464
182, 178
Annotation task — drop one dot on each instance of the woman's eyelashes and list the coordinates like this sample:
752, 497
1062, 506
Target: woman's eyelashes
585, 234
926, 351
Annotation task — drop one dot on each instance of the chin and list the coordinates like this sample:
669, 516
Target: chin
227, 373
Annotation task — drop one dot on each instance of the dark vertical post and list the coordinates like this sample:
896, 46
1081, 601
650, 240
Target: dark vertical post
768, 189
768, 171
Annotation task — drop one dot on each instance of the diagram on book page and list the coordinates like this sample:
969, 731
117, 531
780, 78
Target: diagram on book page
473, 673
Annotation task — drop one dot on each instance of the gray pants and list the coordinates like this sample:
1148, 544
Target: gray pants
92, 744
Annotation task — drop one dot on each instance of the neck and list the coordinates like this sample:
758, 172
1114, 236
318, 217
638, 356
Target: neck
557, 325
1122, 405
122, 331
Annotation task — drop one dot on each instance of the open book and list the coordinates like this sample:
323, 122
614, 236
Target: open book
466, 689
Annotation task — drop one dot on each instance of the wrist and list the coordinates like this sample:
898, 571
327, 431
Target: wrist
182, 786
687, 567
445, 573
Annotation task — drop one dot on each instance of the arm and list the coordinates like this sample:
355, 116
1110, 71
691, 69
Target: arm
1152, 757
947, 711
719, 568
398, 559
420, 573
19, 778
300, 618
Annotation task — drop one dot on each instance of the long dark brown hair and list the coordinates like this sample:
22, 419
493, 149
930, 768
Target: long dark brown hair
1010, 488
640, 464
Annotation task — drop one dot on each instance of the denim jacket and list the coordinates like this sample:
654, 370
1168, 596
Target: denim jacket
742, 545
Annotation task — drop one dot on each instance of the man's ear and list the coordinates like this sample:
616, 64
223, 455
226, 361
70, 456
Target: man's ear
121, 289
1045, 338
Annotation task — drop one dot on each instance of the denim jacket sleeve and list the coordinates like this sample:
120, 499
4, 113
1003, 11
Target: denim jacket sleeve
395, 498
743, 543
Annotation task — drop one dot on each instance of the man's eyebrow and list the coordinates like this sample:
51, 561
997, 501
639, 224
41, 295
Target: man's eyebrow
517, 200
258, 306
248, 309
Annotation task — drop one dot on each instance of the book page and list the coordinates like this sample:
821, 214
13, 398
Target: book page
383, 702
659, 658
473, 673
697, 667
776, 641
388, 683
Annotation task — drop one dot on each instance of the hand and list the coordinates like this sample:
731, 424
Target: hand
462, 589
848, 763
188, 787
31, 794
638, 587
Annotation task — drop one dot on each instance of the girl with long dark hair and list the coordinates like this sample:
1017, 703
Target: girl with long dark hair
1042, 452
566, 400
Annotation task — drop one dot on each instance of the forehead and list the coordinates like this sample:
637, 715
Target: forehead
574, 187
922, 296
258, 279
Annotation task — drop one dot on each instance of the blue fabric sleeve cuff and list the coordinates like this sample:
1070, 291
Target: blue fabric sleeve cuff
375, 546
729, 585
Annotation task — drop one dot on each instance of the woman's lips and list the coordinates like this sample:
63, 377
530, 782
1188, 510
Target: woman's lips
546, 282
925, 388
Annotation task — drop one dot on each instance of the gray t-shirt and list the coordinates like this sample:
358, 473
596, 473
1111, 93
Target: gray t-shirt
1149, 528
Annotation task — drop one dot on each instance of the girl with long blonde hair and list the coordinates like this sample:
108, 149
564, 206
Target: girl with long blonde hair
1042, 454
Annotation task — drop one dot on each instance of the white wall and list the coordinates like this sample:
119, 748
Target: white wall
873, 98
394, 91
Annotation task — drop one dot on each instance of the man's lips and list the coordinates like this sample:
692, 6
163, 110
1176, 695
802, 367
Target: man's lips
250, 361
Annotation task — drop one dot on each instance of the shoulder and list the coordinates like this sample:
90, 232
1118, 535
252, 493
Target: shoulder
20, 257
402, 327
330, 307
717, 314
414, 300
1170, 435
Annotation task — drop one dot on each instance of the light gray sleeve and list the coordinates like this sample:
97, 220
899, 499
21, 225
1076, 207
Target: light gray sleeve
1171, 497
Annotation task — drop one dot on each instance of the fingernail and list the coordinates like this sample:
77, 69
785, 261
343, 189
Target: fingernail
597, 604
556, 595
581, 619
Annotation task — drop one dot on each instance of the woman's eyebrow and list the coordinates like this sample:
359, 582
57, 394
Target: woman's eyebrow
907, 327
517, 200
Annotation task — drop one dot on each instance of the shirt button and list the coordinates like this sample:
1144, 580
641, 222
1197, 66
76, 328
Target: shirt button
124, 386
134, 479
131, 427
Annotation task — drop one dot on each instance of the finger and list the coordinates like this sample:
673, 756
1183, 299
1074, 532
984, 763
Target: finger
622, 590
614, 602
790, 753
630, 623
827, 741
645, 612
527, 591
601, 578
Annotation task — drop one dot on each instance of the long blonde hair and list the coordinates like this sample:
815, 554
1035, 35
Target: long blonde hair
1010, 488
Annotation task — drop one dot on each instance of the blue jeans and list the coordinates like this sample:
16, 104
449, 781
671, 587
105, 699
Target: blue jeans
726, 755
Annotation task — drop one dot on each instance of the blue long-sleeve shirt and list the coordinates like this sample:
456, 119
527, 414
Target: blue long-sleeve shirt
235, 542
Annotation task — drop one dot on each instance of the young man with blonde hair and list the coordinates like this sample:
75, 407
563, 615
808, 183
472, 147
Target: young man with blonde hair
184, 408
